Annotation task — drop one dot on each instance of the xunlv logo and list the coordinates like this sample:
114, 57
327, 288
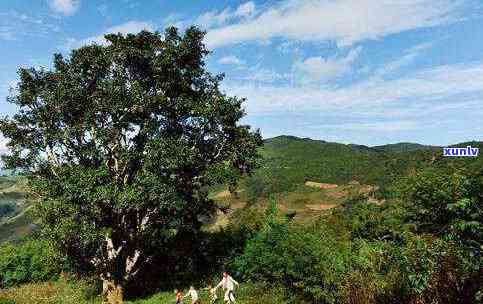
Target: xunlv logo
464, 152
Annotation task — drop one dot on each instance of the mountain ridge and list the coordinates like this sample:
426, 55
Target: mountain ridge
391, 147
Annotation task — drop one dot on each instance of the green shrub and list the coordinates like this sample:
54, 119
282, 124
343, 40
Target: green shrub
445, 205
30, 261
62, 291
309, 260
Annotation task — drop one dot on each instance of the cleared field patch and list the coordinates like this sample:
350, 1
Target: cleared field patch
320, 185
338, 194
321, 207
306, 202
227, 204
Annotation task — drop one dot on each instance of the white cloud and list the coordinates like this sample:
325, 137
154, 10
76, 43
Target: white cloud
214, 18
15, 25
125, 28
265, 75
447, 84
343, 21
231, 60
65, 7
103, 9
6, 33
380, 126
318, 68
210, 19
409, 56
245, 10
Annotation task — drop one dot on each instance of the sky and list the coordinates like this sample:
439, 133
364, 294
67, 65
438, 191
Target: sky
367, 72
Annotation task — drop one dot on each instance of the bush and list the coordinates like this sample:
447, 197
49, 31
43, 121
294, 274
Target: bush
446, 205
54, 292
30, 261
363, 254
309, 260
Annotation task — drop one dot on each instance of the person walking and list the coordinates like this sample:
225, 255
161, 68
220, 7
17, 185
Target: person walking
193, 294
179, 296
228, 285
213, 295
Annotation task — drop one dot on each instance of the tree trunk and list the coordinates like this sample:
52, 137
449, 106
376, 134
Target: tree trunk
113, 285
112, 293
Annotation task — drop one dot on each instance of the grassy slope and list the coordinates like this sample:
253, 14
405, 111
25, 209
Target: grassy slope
80, 292
290, 160
303, 203
297, 159
17, 224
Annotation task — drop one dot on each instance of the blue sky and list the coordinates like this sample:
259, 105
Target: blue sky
367, 71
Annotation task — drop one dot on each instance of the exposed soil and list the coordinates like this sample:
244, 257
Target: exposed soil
320, 185
320, 207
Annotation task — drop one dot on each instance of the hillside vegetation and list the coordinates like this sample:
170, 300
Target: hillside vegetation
317, 222
15, 221
290, 161
287, 163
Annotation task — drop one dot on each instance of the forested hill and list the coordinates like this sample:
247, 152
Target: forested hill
290, 160
404, 147
286, 164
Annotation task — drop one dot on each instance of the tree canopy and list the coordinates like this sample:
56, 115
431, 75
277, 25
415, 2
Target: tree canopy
121, 142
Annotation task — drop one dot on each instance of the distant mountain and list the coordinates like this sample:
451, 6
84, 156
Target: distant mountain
289, 161
361, 148
404, 147
397, 147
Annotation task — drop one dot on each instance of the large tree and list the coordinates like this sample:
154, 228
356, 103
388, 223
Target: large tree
121, 141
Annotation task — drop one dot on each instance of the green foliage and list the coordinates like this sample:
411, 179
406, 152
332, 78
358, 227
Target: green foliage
309, 259
81, 292
121, 141
446, 205
62, 291
363, 253
373, 222
255, 186
29, 261
289, 161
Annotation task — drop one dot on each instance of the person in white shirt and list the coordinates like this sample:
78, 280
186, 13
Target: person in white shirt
193, 294
228, 285
213, 295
